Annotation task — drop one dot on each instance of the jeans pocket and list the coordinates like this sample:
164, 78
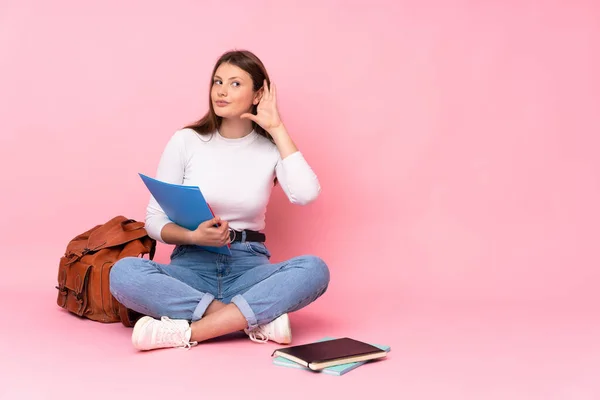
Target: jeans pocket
178, 251
258, 249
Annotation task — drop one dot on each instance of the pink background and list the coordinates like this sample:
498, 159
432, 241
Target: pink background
456, 143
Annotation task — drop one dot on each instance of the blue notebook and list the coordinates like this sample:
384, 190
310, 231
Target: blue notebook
184, 205
335, 370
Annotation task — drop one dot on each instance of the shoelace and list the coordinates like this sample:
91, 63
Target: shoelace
258, 336
173, 334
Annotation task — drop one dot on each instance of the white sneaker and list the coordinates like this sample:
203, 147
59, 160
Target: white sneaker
149, 333
279, 330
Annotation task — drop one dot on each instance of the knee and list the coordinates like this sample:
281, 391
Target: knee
121, 273
317, 270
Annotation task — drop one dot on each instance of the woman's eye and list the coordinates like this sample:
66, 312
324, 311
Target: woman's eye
236, 84
217, 82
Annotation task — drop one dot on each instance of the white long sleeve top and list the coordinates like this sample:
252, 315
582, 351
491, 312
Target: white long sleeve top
235, 176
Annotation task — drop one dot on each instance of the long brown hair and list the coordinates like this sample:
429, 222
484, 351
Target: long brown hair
250, 63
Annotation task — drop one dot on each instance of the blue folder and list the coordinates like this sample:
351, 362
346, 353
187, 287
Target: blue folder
184, 205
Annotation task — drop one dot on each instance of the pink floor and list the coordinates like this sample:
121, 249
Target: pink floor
437, 353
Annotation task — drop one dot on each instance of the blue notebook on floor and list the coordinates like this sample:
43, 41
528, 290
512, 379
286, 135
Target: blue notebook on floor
337, 370
184, 205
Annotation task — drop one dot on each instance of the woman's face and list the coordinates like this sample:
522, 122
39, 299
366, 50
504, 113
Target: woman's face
232, 91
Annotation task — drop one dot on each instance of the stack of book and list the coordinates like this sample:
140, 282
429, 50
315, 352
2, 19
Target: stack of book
329, 355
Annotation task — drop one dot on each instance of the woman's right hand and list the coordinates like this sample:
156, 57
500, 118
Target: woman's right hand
207, 234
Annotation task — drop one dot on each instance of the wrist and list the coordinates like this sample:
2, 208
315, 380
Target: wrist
191, 238
277, 131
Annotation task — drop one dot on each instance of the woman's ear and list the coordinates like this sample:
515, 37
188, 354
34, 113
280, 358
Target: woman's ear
258, 96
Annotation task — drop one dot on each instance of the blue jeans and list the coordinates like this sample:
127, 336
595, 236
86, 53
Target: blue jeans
195, 277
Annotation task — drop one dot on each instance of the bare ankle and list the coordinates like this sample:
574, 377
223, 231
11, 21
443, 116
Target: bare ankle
226, 320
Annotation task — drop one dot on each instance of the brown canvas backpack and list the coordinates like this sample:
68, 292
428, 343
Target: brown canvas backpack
83, 272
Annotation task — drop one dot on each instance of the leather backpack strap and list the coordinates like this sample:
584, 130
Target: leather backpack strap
116, 232
131, 225
152, 250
